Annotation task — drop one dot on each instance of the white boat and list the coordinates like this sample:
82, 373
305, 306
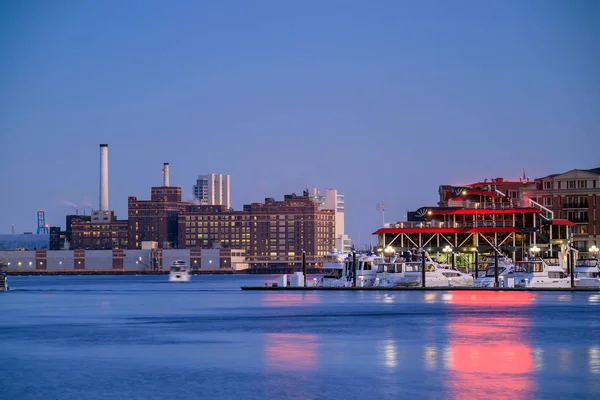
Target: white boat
390, 272
334, 267
435, 276
180, 272
587, 273
366, 269
486, 276
535, 273
342, 273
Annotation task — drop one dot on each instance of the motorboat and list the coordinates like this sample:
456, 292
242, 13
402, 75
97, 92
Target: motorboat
536, 273
390, 272
334, 267
3, 282
486, 277
179, 272
366, 269
435, 275
587, 273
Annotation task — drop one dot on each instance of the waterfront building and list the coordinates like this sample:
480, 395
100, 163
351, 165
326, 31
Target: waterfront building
102, 232
479, 220
213, 189
155, 220
57, 238
69, 220
271, 233
333, 200
573, 195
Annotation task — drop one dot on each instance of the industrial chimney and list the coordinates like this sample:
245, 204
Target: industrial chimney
103, 177
166, 174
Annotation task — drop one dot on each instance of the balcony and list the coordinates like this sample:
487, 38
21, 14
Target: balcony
455, 225
575, 205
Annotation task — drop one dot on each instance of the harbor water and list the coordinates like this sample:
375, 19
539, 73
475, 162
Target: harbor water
141, 337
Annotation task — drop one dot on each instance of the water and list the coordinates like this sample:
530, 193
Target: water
130, 337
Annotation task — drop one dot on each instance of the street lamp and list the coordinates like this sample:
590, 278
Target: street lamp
594, 250
447, 250
534, 250
389, 250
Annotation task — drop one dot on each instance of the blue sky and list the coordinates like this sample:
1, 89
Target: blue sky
383, 100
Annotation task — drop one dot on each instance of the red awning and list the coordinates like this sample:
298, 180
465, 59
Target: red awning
395, 231
562, 222
485, 211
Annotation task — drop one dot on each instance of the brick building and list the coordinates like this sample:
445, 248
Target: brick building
572, 195
273, 232
156, 219
103, 232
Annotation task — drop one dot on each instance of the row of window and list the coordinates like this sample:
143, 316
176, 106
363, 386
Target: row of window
576, 184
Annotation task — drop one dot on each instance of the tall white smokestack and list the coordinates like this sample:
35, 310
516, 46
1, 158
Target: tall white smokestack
166, 174
103, 177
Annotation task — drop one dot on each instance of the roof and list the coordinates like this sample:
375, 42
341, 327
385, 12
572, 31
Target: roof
445, 230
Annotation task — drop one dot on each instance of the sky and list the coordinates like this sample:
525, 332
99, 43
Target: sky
382, 100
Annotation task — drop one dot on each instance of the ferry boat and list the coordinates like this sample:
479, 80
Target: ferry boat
334, 265
3, 282
486, 276
180, 272
587, 272
536, 273
435, 276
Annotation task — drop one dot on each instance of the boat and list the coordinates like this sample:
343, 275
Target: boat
3, 282
435, 275
536, 273
342, 273
486, 274
179, 272
587, 273
334, 265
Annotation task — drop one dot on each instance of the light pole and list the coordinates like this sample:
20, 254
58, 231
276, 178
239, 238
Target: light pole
389, 250
447, 250
594, 250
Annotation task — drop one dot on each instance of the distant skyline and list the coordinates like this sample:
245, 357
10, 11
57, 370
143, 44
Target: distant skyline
381, 100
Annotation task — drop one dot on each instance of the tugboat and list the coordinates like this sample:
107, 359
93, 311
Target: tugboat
3, 282
180, 272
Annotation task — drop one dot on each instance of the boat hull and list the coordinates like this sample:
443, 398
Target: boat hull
179, 277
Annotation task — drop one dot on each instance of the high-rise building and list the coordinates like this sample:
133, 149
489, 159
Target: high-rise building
332, 200
213, 190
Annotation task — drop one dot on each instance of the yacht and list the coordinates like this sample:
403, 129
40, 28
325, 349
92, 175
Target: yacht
587, 273
486, 276
390, 272
334, 266
179, 272
535, 273
341, 274
435, 276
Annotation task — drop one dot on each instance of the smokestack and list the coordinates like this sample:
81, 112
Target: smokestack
166, 174
103, 177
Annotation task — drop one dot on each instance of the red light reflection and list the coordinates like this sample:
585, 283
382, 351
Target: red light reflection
279, 299
291, 352
488, 355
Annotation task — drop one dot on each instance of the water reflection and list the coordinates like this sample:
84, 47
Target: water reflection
488, 355
290, 351
388, 352
594, 359
275, 299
